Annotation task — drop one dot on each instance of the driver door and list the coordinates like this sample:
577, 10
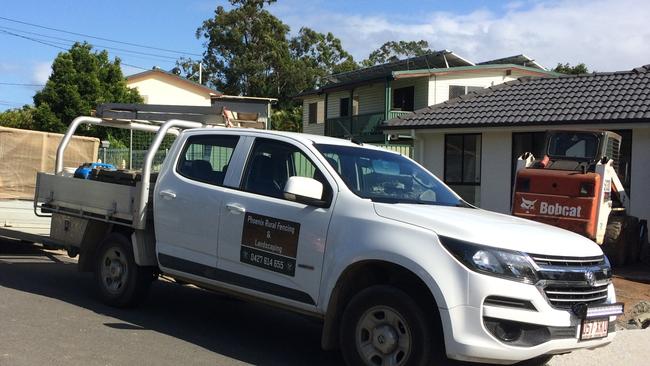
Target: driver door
274, 245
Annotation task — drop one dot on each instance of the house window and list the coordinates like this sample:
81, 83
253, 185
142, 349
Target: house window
404, 99
463, 165
456, 91
313, 112
344, 107
522, 142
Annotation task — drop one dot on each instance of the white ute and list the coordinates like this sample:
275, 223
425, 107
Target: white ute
400, 270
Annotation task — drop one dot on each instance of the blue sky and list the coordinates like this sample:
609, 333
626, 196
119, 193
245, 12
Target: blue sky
605, 34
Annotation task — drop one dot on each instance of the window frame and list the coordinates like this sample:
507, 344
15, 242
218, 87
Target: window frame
347, 107
186, 145
315, 113
410, 88
466, 90
328, 190
462, 165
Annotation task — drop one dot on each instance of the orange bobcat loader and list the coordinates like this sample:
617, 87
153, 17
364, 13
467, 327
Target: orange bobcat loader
576, 186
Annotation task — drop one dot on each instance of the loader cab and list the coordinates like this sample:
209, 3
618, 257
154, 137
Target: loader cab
581, 150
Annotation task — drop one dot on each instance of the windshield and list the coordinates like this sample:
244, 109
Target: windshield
383, 176
580, 145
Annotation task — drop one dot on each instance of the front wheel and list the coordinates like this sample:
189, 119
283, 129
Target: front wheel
120, 281
384, 326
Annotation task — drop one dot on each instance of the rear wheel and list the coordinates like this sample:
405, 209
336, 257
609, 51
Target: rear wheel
120, 281
384, 326
621, 239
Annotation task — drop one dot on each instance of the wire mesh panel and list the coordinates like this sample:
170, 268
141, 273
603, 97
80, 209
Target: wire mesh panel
133, 154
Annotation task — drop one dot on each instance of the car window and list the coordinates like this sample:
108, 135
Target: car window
270, 165
573, 145
384, 176
206, 158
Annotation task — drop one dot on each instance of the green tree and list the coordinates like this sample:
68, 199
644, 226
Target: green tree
18, 118
188, 68
249, 52
566, 68
80, 80
394, 51
289, 119
319, 55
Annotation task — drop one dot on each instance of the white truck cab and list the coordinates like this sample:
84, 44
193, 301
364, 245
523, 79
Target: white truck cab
397, 266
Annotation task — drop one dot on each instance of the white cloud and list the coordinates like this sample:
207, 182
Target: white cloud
607, 35
41, 72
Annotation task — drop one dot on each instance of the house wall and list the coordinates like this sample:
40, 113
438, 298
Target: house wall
333, 103
371, 98
439, 84
158, 89
640, 177
496, 152
430, 152
317, 128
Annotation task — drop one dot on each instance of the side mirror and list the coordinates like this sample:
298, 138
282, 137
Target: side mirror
305, 190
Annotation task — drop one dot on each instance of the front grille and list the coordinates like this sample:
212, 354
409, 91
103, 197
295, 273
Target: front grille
567, 296
550, 260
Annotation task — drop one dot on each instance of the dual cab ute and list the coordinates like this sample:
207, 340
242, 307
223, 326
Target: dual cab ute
400, 270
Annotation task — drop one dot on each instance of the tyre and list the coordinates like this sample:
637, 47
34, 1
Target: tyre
384, 326
537, 361
614, 242
633, 239
120, 281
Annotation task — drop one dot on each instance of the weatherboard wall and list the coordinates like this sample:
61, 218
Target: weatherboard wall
317, 128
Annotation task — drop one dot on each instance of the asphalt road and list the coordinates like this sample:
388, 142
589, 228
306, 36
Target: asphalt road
49, 316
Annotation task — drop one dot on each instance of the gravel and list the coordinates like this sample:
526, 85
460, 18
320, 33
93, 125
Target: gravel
629, 348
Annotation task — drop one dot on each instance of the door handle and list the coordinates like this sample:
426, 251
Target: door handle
235, 208
167, 194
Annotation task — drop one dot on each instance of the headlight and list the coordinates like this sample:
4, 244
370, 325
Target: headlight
491, 261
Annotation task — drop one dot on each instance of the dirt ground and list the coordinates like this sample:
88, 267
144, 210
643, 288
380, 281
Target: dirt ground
632, 285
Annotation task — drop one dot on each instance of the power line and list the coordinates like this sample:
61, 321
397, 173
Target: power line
20, 84
32, 39
95, 45
100, 38
55, 46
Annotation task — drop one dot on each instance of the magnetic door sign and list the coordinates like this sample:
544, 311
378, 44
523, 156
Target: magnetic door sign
270, 243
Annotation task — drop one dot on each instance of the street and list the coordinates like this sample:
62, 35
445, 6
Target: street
49, 316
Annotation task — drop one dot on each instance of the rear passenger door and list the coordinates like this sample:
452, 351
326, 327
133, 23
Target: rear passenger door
188, 200
270, 244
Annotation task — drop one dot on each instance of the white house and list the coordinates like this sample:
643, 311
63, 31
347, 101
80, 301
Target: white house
354, 104
161, 87
472, 141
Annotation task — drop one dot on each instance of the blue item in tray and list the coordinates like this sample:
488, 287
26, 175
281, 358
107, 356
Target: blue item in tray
85, 169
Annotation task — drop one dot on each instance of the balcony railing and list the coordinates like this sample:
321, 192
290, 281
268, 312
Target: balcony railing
396, 114
362, 126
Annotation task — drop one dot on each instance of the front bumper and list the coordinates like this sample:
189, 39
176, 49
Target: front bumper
467, 333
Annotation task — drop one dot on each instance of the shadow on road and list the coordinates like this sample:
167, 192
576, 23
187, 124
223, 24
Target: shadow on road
250, 333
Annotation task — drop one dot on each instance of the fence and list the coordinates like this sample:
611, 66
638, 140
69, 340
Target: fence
406, 150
